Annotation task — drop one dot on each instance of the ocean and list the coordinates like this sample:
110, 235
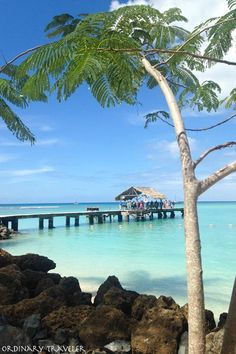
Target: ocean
148, 257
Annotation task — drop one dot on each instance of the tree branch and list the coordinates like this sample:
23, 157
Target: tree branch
129, 50
21, 55
208, 182
175, 83
207, 152
194, 55
192, 37
201, 129
160, 50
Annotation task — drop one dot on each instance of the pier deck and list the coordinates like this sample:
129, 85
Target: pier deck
12, 221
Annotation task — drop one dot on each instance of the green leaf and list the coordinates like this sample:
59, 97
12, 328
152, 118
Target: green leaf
62, 25
220, 36
10, 93
206, 97
36, 86
231, 4
154, 116
230, 102
14, 123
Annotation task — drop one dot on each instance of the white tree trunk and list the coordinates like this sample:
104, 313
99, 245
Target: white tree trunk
196, 320
196, 309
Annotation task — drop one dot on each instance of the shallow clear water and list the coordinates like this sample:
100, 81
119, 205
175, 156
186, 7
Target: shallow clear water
148, 257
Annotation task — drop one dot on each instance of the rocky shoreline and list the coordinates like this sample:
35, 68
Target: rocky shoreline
6, 233
45, 312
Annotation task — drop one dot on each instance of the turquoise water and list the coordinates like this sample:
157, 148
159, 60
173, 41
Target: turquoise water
146, 256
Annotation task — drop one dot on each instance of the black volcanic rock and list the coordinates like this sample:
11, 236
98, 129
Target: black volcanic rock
120, 299
34, 262
111, 281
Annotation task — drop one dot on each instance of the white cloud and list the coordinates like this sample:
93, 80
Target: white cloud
46, 142
116, 4
45, 128
231, 152
31, 172
167, 149
43, 142
9, 143
196, 13
192, 10
6, 157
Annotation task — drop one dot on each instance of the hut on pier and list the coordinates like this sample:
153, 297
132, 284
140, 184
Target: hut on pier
136, 192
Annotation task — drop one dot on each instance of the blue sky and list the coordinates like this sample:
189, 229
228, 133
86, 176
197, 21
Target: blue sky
86, 153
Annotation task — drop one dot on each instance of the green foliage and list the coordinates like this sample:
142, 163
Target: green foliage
104, 51
230, 102
11, 94
231, 3
204, 96
220, 36
62, 25
14, 123
154, 116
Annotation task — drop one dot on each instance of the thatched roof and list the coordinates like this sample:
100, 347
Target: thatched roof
134, 192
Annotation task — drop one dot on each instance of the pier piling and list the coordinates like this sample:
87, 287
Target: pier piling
50, 223
41, 223
91, 220
100, 219
76, 221
67, 221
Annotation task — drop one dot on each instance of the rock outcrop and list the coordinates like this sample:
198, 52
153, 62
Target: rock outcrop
112, 281
6, 233
12, 285
103, 326
42, 308
214, 342
159, 329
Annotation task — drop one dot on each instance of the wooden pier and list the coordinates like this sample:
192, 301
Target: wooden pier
12, 221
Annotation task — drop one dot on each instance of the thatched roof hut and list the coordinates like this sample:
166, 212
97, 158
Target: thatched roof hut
134, 192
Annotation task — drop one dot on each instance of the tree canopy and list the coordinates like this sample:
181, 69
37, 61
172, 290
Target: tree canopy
104, 50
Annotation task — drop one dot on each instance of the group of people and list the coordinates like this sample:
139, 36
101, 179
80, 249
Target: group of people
146, 204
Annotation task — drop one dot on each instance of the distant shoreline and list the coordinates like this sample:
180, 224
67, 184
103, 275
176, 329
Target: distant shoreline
96, 202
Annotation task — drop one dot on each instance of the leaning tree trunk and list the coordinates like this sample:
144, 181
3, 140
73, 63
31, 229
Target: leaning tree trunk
196, 320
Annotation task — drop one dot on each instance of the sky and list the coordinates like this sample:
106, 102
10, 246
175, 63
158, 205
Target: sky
87, 153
